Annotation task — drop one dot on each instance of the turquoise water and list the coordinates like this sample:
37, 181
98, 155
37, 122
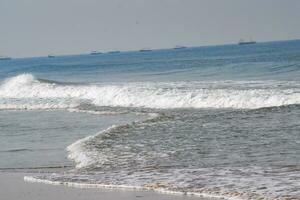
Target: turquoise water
220, 121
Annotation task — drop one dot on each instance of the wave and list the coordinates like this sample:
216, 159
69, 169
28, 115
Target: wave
84, 153
232, 183
88, 153
15, 150
25, 169
26, 92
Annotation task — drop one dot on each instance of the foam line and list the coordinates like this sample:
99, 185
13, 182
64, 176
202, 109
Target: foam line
124, 187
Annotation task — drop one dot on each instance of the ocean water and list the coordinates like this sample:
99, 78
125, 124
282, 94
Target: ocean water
217, 121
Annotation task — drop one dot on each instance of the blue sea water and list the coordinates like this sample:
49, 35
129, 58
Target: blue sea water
218, 121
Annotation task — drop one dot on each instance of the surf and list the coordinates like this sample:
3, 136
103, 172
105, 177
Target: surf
27, 92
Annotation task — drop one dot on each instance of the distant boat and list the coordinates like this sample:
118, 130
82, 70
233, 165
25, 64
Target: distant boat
114, 52
5, 58
243, 42
96, 53
180, 47
145, 50
51, 56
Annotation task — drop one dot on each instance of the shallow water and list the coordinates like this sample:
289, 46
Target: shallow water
218, 121
37, 138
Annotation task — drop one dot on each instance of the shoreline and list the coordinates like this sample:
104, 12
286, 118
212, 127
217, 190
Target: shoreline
13, 187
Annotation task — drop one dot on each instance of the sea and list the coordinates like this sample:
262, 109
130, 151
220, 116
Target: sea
215, 121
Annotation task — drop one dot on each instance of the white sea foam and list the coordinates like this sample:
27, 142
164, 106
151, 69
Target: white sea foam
150, 95
155, 188
94, 112
84, 155
232, 183
25, 88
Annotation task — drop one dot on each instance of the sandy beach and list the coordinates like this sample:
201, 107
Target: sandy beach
13, 187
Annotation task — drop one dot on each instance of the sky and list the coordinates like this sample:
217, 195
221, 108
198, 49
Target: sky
41, 27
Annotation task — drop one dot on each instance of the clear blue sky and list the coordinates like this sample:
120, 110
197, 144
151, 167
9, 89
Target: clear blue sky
40, 27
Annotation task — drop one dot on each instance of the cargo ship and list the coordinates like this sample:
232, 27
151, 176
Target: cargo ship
5, 58
180, 47
96, 53
145, 50
243, 42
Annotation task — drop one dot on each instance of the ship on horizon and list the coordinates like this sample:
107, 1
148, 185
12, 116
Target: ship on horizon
243, 42
51, 56
5, 58
113, 52
180, 47
95, 53
145, 50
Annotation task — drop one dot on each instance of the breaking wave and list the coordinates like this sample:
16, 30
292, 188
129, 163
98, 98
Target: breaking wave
84, 152
26, 92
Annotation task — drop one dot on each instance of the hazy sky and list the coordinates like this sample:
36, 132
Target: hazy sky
40, 27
